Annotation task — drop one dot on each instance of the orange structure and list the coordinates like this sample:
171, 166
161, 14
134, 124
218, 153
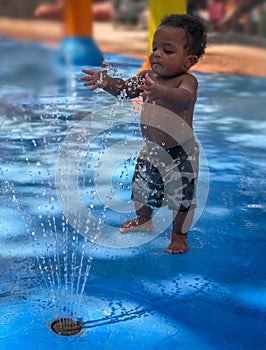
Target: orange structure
78, 46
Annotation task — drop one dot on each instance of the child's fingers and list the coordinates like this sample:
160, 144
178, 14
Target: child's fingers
146, 95
148, 99
147, 76
84, 78
87, 83
148, 79
142, 87
88, 71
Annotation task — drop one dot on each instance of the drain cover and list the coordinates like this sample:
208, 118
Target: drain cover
66, 326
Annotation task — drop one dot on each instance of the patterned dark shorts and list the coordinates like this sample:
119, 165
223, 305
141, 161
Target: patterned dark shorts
167, 177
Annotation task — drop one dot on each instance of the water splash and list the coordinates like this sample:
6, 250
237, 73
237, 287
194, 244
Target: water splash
63, 257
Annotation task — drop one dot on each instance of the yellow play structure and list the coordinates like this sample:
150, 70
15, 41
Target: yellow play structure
161, 8
79, 47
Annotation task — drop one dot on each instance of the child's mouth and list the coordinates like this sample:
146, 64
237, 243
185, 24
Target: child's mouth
156, 64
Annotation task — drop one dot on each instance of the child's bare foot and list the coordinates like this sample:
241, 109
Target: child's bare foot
135, 225
178, 244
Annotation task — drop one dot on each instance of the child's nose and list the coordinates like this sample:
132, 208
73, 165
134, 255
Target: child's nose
157, 53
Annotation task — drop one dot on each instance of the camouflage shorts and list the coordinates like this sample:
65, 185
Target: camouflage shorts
167, 177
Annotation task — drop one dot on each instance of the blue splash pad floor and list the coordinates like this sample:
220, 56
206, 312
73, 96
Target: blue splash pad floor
211, 298
214, 297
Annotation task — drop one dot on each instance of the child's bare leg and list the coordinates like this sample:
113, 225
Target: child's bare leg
181, 225
143, 221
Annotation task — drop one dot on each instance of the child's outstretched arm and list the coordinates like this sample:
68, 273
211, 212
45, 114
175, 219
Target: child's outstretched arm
115, 86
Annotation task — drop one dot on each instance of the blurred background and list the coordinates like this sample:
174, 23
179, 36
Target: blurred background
247, 17
121, 26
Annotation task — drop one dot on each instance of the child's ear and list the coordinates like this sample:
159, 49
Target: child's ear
191, 61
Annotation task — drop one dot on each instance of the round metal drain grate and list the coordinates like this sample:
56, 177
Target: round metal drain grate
66, 326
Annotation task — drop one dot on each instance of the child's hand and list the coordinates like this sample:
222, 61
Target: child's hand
96, 79
150, 89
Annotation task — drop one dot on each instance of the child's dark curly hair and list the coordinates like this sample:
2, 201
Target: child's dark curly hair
195, 31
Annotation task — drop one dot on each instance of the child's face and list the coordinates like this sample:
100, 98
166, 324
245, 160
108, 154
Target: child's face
168, 57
